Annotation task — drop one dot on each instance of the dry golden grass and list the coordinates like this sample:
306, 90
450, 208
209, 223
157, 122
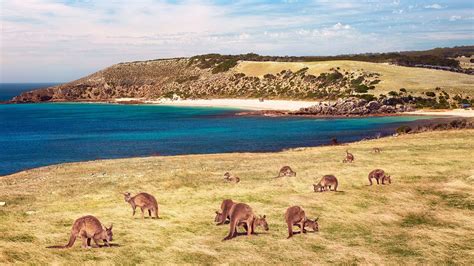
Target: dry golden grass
465, 62
392, 77
425, 216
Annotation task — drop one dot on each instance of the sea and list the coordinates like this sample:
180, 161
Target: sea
34, 135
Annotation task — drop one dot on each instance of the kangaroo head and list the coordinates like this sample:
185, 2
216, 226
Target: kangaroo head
227, 174
317, 187
313, 224
388, 179
108, 232
262, 221
218, 217
127, 196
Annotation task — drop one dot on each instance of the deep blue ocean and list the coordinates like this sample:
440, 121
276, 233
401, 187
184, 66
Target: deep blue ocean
33, 135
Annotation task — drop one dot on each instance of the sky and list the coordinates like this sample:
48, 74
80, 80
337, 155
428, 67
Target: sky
58, 41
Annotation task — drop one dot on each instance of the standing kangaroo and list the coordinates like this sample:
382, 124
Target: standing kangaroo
226, 206
144, 201
379, 174
295, 215
325, 183
231, 178
242, 214
88, 227
349, 157
286, 171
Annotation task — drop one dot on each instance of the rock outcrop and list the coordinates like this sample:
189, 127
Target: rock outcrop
352, 107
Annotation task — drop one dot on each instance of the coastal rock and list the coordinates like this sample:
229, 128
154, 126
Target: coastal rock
352, 107
373, 105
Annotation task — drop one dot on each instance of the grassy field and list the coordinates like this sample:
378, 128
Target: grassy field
425, 216
393, 77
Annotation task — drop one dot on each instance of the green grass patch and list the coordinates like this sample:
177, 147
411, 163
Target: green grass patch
18, 238
417, 219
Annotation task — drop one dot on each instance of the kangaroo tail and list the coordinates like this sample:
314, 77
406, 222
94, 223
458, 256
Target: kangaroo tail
72, 239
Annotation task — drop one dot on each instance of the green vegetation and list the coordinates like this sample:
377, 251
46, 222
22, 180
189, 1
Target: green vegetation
224, 66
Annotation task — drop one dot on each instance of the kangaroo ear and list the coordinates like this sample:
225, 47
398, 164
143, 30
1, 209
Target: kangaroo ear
264, 216
111, 225
316, 219
217, 212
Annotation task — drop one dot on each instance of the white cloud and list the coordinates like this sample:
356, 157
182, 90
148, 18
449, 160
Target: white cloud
454, 18
47, 40
435, 6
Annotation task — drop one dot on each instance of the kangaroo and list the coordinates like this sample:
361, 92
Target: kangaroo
349, 157
88, 227
286, 171
144, 201
295, 215
326, 182
242, 215
376, 150
379, 174
226, 206
231, 178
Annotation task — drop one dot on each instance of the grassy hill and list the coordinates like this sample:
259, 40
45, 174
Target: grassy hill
392, 77
424, 216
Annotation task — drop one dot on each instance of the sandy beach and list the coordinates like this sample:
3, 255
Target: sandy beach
454, 112
284, 105
248, 104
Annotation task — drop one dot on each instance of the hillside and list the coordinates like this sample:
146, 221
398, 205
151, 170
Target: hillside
423, 217
392, 77
215, 76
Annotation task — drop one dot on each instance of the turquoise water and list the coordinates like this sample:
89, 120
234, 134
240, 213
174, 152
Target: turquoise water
33, 135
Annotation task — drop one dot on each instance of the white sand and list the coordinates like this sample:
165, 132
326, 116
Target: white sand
455, 112
255, 104
249, 104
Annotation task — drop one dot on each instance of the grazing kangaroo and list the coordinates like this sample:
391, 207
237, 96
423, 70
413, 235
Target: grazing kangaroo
326, 182
295, 215
376, 150
88, 227
286, 171
221, 217
242, 214
379, 174
349, 157
231, 178
144, 201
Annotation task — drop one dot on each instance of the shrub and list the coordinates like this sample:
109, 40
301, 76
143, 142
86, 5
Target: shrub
430, 94
403, 90
393, 93
224, 66
403, 130
269, 76
361, 88
301, 71
367, 97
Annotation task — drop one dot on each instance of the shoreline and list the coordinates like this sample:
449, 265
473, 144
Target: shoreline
245, 104
420, 122
276, 108
270, 108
